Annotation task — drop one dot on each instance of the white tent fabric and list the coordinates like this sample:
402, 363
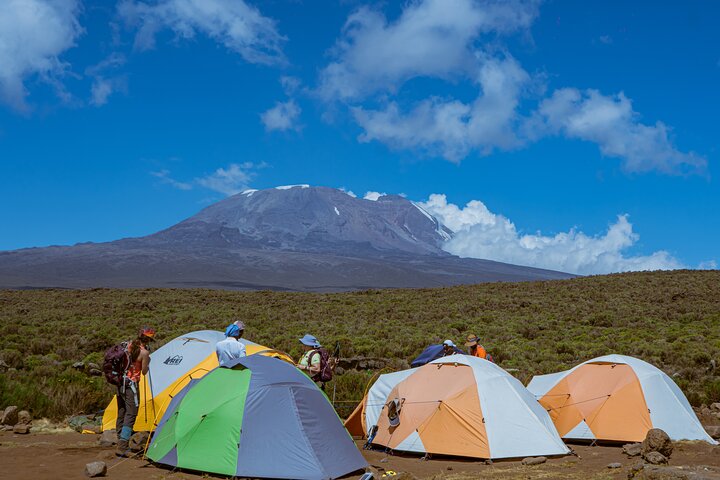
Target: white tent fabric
669, 409
515, 423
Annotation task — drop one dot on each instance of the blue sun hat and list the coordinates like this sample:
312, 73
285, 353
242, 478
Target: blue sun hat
310, 341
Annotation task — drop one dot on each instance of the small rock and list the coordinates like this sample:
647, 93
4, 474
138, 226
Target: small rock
106, 455
715, 406
488, 462
705, 411
24, 417
138, 441
78, 366
534, 460
6, 428
653, 472
21, 429
635, 469
657, 441
94, 366
383, 460
95, 372
655, 458
108, 438
449, 467
713, 431
3, 366
95, 469
10, 416
632, 449
614, 465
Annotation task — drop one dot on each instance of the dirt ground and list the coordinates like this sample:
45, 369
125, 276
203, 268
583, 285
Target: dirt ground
49, 456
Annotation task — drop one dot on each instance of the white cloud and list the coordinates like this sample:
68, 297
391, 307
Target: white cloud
451, 128
33, 36
708, 265
283, 116
104, 82
479, 233
233, 23
164, 176
373, 196
228, 181
611, 122
430, 38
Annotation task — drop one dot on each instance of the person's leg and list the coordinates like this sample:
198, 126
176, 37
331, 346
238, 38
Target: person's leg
131, 410
120, 411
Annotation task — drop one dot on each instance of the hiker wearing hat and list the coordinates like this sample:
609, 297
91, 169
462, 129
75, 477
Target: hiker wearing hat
231, 348
128, 397
310, 361
449, 348
476, 350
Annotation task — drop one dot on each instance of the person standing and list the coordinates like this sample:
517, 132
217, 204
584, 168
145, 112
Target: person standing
128, 396
475, 349
310, 362
449, 348
231, 348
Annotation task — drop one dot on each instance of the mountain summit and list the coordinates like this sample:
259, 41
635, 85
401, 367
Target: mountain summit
294, 237
312, 219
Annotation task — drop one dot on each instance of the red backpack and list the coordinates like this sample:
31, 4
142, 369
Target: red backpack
116, 363
326, 371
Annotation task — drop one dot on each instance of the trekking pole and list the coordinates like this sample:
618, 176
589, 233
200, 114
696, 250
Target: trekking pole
145, 396
336, 354
152, 393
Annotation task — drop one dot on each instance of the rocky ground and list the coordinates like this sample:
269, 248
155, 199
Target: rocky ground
44, 455
38, 449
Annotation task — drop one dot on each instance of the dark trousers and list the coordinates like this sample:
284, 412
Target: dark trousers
127, 409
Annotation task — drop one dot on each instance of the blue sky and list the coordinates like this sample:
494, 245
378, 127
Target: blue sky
584, 132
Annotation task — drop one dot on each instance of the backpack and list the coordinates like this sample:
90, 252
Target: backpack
326, 371
116, 363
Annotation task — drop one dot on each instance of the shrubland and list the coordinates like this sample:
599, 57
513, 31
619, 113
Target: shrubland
670, 319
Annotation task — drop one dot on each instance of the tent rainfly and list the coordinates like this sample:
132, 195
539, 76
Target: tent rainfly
616, 398
457, 405
172, 366
263, 418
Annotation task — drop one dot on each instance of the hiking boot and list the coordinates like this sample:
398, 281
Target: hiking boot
123, 448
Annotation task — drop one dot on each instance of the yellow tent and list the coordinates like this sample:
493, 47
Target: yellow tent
172, 367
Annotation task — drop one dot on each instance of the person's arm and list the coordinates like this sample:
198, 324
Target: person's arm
145, 359
312, 367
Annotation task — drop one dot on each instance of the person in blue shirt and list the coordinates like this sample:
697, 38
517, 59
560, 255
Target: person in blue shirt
231, 348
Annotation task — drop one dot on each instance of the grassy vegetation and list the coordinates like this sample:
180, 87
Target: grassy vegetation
671, 319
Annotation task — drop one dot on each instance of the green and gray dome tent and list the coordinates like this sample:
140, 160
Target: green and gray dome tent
261, 418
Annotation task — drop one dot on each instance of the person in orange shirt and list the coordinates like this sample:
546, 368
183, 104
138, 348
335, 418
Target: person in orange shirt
128, 394
476, 350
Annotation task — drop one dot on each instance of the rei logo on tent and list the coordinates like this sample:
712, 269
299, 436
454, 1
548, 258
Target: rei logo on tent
174, 360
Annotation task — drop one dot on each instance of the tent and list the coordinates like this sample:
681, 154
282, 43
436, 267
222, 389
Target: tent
262, 418
616, 398
431, 352
172, 366
457, 405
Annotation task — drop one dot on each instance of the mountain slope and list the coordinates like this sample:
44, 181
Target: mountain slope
294, 238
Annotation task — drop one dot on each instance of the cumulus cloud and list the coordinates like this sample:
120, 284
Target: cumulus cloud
480, 233
373, 196
283, 116
233, 23
33, 36
611, 123
450, 128
430, 38
228, 181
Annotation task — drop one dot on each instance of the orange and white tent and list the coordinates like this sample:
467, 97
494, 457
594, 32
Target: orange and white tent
456, 405
616, 398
